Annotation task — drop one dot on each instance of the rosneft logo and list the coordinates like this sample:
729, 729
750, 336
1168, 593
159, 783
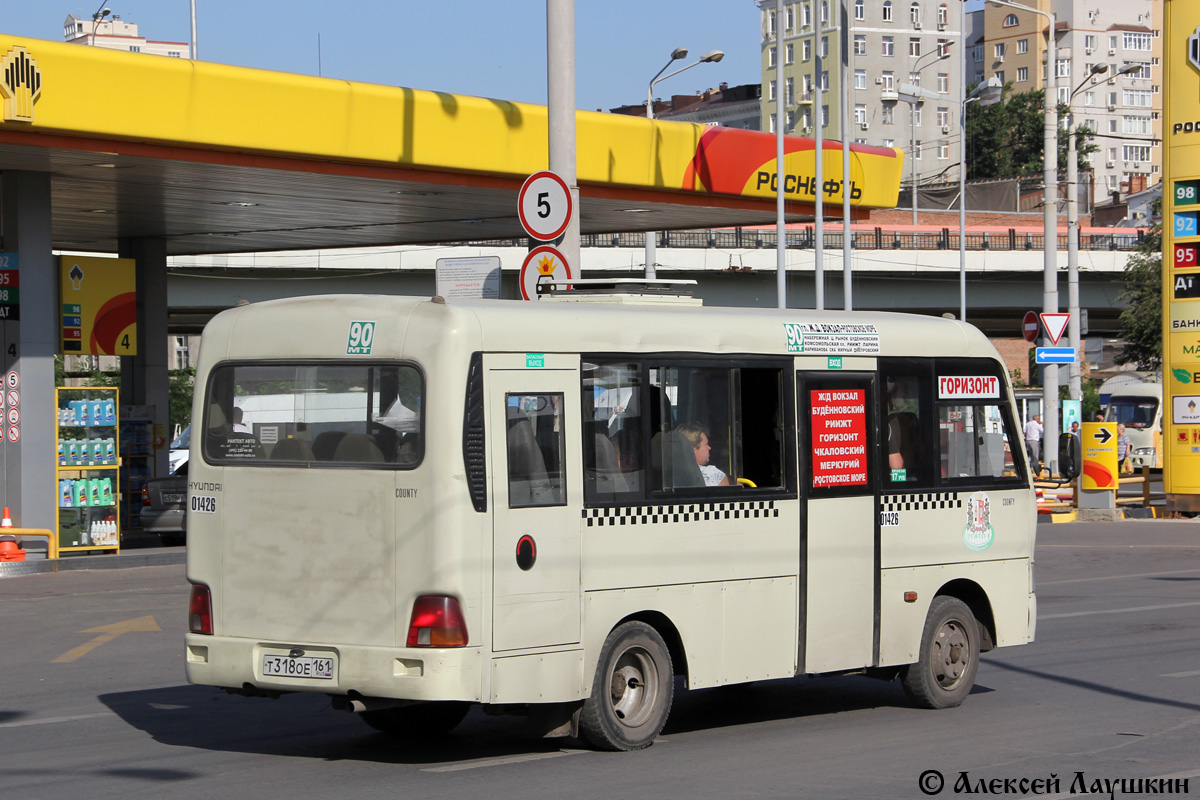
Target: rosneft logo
20, 84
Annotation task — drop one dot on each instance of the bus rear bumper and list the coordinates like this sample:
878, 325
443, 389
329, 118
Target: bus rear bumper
400, 673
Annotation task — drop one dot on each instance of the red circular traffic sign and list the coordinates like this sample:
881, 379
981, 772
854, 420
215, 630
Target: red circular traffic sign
14, 416
544, 206
543, 264
1030, 326
14, 433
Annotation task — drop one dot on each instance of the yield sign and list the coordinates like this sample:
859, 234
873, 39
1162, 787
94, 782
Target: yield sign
1055, 324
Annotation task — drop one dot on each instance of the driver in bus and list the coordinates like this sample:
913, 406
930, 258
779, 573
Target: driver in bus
697, 436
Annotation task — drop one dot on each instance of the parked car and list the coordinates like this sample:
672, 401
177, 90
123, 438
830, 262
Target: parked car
164, 507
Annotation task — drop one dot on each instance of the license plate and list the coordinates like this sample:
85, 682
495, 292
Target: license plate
315, 667
172, 497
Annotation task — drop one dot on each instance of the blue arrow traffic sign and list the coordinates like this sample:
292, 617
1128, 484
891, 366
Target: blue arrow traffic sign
1055, 355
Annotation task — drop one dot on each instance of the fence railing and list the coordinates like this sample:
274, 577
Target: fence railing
877, 239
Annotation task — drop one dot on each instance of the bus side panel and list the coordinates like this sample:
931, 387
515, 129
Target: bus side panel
1004, 582
727, 538
731, 631
541, 678
939, 527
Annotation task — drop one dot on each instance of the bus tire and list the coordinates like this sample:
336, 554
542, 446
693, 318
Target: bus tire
945, 670
632, 692
417, 721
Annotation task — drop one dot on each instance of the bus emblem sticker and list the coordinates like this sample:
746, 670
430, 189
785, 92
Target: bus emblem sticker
362, 334
979, 534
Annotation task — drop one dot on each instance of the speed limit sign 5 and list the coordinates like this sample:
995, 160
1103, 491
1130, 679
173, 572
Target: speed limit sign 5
544, 206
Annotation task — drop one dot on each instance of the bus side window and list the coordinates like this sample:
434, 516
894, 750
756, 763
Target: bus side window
535, 450
905, 460
612, 430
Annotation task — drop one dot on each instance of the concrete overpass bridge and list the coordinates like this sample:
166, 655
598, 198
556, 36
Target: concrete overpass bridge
895, 269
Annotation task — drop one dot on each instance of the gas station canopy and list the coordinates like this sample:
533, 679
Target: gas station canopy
211, 158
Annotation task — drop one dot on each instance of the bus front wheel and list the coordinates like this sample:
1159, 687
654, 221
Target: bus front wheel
632, 692
945, 670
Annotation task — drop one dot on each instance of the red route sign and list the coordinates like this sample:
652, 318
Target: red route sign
1029, 326
839, 437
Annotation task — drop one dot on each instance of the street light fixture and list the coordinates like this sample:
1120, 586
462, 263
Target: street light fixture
677, 54
1073, 330
1050, 218
97, 18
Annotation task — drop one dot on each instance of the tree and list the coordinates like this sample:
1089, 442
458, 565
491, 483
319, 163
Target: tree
1140, 324
1008, 139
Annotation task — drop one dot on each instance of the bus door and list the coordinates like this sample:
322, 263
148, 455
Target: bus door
838, 424
533, 429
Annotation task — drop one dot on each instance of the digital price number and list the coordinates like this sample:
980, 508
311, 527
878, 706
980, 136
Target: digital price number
1187, 193
1187, 256
1185, 223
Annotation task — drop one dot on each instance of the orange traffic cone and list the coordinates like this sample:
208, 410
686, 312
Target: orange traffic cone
6, 522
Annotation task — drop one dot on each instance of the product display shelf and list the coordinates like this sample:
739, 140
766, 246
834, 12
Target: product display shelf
87, 468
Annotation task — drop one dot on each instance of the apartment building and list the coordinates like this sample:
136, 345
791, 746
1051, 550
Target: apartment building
117, 34
1124, 111
892, 43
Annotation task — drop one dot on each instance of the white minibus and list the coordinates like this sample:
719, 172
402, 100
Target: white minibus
1138, 406
557, 508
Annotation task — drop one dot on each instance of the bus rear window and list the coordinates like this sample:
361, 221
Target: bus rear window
315, 415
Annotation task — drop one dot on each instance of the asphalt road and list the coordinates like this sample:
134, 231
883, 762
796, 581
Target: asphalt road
94, 705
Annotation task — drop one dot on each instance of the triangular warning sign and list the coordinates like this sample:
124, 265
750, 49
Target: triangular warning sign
1055, 324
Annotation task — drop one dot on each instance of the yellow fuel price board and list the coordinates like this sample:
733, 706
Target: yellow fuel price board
1181, 254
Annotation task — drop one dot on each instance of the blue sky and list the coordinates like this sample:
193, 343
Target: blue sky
490, 49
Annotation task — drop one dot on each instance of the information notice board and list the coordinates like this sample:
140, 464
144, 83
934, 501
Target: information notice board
839, 437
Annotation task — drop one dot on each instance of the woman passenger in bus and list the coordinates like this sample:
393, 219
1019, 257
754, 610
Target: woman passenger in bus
697, 436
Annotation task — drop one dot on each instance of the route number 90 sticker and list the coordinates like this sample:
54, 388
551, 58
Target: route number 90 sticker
203, 504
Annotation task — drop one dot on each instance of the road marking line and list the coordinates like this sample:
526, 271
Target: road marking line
1191, 674
49, 720
1116, 611
107, 634
501, 761
1118, 577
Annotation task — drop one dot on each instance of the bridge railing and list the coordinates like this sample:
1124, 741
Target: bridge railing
876, 239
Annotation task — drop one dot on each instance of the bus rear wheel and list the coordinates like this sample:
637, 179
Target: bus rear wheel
945, 671
632, 692
417, 721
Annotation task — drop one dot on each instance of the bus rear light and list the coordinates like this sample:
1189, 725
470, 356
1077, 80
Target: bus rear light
200, 610
437, 622
145, 496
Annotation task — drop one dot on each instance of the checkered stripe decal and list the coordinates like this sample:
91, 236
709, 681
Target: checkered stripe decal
920, 502
685, 512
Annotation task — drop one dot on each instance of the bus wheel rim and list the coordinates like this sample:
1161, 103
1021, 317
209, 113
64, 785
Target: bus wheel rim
951, 654
634, 687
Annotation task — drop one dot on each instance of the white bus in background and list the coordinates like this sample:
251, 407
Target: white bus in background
1138, 406
542, 533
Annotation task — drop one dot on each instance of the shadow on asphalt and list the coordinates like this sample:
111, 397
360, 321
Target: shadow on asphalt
306, 725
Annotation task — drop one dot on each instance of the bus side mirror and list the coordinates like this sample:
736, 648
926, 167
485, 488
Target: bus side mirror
1070, 455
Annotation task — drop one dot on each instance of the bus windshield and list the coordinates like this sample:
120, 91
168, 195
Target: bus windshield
1133, 412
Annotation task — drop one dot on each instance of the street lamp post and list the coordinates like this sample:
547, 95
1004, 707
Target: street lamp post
1073, 329
942, 55
1050, 223
678, 53
97, 18
986, 94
